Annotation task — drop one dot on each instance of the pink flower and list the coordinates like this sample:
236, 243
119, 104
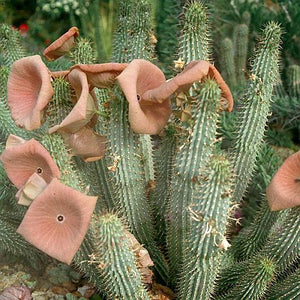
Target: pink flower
57, 221
147, 117
284, 189
21, 159
29, 90
195, 71
86, 144
62, 45
84, 109
101, 75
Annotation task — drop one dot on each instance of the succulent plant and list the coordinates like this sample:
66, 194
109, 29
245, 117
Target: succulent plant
125, 173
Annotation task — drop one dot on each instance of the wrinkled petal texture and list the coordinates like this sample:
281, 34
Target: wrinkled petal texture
145, 117
84, 109
284, 189
57, 221
87, 144
29, 90
101, 75
195, 71
62, 45
23, 160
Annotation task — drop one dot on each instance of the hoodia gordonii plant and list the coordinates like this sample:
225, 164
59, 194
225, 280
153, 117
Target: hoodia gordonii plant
121, 173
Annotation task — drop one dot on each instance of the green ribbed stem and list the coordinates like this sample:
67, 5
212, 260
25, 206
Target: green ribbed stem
208, 219
147, 152
10, 45
190, 160
124, 155
251, 239
255, 108
252, 285
133, 35
287, 289
283, 245
164, 162
83, 53
167, 28
228, 277
115, 260
227, 62
281, 250
240, 41
293, 80
254, 236
194, 40
128, 181
279, 90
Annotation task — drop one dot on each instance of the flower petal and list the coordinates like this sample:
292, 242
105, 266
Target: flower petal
85, 143
57, 220
85, 108
29, 90
23, 160
284, 189
144, 116
194, 71
31, 189
101, 75
62, 45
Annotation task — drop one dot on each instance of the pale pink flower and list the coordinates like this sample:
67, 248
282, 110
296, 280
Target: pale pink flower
284, 189
23, 159
147, 117
62, 45
29, 90
57, 221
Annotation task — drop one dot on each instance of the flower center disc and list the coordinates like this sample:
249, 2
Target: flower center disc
39, 170
60, 218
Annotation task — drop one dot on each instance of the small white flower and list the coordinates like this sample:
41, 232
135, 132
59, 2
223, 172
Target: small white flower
66, 8
77, 12
46, 7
